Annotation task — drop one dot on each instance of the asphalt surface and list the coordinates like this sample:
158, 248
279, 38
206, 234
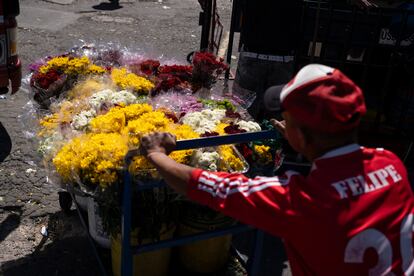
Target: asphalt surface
27, 202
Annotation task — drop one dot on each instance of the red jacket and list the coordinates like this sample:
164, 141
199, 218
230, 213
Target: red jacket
353, 214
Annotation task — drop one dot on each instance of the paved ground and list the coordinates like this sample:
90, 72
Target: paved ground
27, 202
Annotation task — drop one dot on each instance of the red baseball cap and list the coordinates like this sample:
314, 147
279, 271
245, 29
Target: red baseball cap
321, 98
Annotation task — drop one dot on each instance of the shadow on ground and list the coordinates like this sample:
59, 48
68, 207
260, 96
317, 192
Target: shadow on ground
5, 143
105, 6
58, 254
11, 222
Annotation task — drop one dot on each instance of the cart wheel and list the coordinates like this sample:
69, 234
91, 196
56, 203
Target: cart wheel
65, 201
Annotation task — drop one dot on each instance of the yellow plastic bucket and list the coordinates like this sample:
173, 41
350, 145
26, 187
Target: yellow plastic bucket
206, 256
154, 263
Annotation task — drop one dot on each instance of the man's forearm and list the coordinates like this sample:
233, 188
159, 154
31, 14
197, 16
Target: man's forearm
176, 175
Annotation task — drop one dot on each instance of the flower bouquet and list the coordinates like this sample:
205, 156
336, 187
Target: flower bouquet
206, 69
47, 86
56, 75
203, 73
175, 77
149, 67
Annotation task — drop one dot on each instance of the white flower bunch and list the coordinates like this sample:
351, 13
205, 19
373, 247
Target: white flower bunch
81, 120
123, 97
48, 146
111, 97
204, 121
207, 160
97, 99
249, 126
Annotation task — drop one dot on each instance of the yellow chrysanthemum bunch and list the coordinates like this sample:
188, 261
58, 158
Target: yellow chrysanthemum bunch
263, 153
141, 164
132, 121
131, 81
112, 122
182, 132
157, 119
72, 66
220, 128
141, 167
48, 125
231, 159
134, 111
96, 70
147, 123
50, 121
95, 158
118, 117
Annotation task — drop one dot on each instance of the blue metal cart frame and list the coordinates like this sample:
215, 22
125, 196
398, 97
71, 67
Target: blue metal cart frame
128, 251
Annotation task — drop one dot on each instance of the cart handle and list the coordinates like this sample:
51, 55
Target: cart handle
206, 142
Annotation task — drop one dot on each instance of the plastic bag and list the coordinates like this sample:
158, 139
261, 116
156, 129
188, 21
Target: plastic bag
91, 105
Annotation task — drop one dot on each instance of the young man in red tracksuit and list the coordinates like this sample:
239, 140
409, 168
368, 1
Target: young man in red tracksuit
352, 215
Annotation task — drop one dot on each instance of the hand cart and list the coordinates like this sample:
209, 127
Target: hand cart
212, 28
128, 251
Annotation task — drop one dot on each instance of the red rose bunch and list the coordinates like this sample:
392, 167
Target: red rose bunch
246, 151
182, 72
210, 134
233, 129
208, 62
173, 77
166, 83
232, 114
149, 67
45, 80
206, 69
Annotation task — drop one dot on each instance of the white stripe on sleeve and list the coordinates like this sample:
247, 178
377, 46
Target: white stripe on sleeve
223, 187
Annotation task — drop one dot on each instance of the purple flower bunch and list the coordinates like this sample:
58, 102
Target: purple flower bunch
177, 102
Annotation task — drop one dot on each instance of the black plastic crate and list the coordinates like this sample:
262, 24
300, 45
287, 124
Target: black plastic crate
374, 47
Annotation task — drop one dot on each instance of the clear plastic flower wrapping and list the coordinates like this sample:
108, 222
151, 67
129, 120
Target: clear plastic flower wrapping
88, 107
